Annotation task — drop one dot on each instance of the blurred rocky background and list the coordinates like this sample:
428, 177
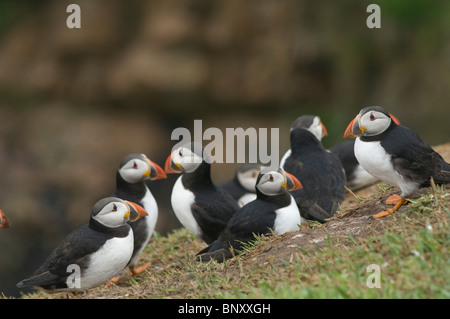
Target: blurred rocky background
74, 102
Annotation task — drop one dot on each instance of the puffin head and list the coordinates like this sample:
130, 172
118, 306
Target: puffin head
113, 212
311, 123
274, 181
136, 168
247, 175
186, 158
371, 121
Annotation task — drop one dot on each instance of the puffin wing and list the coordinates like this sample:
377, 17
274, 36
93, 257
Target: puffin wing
74, 249
412, 157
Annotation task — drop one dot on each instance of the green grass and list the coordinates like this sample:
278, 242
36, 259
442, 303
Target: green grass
411, 252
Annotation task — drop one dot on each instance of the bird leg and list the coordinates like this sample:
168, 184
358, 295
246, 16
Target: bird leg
394, 199
138, 270
398, 204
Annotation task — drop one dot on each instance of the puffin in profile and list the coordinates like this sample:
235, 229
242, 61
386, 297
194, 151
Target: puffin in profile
357, 177
320, 171
200, 205
395, 154
133, 171
92, 254
4, 222
274, 209
242, 186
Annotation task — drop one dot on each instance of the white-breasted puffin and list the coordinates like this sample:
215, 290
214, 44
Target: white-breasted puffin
201, 206
133, 171
101, 250
274, 209
4, 222
320, 171
395, 154
242, 186
357, 177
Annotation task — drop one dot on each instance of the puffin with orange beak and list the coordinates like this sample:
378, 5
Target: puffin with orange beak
92, 254
4, 222
273, 210
133, 172
320, 171
200, 205
395, 154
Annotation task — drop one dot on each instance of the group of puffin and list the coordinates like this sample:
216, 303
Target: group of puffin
310, 184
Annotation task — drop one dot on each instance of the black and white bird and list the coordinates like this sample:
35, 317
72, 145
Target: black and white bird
200, 205
320, 171
395, 154
133, 172
92, 254
357, 177
274, 209
4, 222
242, 186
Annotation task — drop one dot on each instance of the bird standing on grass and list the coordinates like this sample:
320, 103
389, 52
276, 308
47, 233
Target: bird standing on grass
100, 250
274, 209
133, 171
201, 206
319, 170
395, 154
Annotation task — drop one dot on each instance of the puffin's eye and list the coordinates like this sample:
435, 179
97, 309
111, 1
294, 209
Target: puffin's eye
270, 178
180, 153
114, 208
372, 117
135, 165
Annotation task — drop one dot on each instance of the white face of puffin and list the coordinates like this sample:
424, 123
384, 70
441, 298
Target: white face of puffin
136, 168
274, 182
113, 212
248, 178
185, 159
373, 123
316, 127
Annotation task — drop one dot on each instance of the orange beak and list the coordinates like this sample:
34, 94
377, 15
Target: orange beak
172, 168
136, 211
292, 182
156, 172
394, 119
353, 129
324, 130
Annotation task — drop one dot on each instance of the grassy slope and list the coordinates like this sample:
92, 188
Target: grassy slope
411, 250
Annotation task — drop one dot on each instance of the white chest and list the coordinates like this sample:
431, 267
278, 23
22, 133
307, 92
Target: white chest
288, 218
374, 159
108, 261
182, 200
150, 205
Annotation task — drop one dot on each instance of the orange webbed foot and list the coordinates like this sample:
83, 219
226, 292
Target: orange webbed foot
398, 203
138, 270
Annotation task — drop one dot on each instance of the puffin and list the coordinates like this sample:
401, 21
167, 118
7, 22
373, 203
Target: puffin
319, 170
273, 210
200, 205
242, 186
4, 222
357, 177
134, 170
92, 254
395, 154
